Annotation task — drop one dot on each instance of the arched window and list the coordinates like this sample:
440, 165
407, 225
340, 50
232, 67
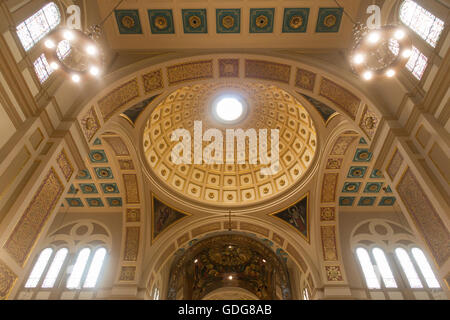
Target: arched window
41, 66
417, 63
367, 268
38, 25
39, 268
408, 268
422, 22
305, 294
156, 294
425, 268
55, 268
95, 268
78, 269
384, 268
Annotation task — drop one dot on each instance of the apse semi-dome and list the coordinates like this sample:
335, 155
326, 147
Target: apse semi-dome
263, 107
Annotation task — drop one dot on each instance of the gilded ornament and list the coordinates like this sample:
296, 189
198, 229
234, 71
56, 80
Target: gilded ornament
296, 22
228, 22
161, 22
195, 21
330, 21
128, 22
262, 21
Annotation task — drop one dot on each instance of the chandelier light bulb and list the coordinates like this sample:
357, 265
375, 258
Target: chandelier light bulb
230, 278
95, 71
368, 75
49, 44
407, 53
390, 73
91, 50
76, 78
54, 65
358, 58
374, 37
68, 35
399, 34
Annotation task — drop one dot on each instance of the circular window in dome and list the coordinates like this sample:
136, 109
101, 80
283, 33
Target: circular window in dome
229, 109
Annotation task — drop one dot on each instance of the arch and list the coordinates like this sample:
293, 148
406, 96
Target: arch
230, 293
244, 252
182, 236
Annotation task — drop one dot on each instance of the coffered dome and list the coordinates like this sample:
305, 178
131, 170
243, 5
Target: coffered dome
263, 107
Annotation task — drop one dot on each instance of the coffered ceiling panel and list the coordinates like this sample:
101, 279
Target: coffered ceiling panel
143, 25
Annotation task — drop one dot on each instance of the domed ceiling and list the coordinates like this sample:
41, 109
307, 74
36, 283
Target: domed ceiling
267, 107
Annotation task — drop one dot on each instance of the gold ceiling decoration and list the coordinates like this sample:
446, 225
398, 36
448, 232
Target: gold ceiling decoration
269, 107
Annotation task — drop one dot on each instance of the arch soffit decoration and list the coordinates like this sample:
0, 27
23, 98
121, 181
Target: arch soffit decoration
234, 238
134, 218
165, 250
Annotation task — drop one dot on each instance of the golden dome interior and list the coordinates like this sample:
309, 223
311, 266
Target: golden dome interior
268, 107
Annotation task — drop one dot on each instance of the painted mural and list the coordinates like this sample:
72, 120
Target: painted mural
297, 216
163, 216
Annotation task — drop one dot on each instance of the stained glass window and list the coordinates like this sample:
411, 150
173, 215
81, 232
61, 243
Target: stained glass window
384, 268
367, 268
417, 63
55, 268
305, 294
156, 294
422, 22
408, 268
39, 268
63, 49
38, 25
95, 268
42, 68
425, 268
78, 269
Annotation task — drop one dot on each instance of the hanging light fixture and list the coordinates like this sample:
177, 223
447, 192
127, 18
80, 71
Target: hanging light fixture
379, 52
78, 54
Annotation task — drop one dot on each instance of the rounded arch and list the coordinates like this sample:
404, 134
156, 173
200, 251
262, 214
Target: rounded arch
229, 260
182, 236
230, 293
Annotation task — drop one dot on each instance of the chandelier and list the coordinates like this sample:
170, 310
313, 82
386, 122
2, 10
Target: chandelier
75, 52
78, 54
379, 52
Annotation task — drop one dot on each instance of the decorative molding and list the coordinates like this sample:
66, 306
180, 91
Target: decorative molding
131, 188
394, 164
341, 97
89, 124
117, 98
265, 70
328, 234
27, 230
127, 273
334, 273
200, 70
132, 244
153, 81
329, 185
425, 217
305, 79
7, 280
